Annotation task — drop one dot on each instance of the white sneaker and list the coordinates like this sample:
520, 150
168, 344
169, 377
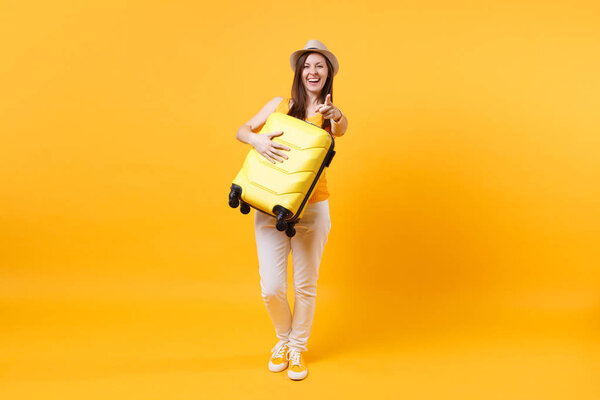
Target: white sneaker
279, 361
298, 369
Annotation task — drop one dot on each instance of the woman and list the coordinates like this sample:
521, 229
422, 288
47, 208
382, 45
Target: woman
311, 100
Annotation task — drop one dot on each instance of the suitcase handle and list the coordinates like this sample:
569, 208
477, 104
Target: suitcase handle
329, 158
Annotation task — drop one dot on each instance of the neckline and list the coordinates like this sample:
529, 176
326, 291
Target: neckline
316, 119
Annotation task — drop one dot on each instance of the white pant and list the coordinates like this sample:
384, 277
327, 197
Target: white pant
273, 248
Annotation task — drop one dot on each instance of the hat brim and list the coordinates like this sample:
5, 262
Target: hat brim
329, 55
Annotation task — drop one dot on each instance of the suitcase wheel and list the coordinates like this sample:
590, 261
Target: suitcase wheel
290, 231
281, 214
244, 208
234, 196
281, 225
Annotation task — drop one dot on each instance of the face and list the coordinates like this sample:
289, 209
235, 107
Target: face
314, 73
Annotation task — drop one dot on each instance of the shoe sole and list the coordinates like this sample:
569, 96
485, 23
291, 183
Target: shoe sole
277, 367
297, 376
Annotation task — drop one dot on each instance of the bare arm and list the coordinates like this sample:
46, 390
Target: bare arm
263, 143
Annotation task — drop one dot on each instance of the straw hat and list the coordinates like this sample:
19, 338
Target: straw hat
316, 47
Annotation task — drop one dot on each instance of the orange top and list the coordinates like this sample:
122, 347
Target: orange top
320, 191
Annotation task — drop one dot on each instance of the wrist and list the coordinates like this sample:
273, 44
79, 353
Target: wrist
252, 139
338, 119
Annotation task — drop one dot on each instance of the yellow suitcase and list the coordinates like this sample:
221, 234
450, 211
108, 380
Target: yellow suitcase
283, 189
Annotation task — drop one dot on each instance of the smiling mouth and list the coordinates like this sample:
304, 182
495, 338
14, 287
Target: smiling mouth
313, 81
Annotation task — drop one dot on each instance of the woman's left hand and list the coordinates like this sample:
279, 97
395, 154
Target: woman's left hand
328, 110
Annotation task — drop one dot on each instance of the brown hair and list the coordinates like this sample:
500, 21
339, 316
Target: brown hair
298, 108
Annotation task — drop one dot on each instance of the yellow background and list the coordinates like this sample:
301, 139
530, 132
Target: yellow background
463, 259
